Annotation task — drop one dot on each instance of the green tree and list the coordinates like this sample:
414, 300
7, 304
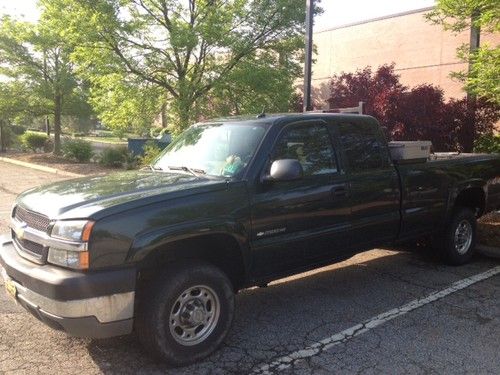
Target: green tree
125, 103
37, 56
187, 48
254, 86
483, 77
13, 96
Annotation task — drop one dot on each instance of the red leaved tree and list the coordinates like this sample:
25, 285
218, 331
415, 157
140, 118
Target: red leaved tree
419, 113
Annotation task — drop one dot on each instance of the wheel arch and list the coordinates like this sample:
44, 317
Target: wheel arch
222, 249
472, 196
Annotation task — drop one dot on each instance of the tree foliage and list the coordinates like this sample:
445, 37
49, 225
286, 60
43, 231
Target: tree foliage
13, 97
191, 49
125, 103
253, 87
419, 113
459, 15
36, 56
489, 143
483, 78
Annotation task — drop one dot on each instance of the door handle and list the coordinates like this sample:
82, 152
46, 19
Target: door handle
339, 192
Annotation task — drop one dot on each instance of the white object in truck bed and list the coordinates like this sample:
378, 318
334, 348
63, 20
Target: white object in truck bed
410, 150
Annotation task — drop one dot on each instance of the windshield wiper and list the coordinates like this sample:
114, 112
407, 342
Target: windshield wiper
155, 168
194, 171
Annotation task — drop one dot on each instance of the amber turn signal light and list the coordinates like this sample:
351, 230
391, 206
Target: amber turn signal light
87, 230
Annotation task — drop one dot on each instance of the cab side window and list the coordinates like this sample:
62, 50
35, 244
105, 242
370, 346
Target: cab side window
363, 146
310, 145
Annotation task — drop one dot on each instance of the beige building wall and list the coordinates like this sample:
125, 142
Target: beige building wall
423, 53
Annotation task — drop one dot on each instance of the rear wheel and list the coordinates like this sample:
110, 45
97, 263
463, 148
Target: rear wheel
187, 314
459, 239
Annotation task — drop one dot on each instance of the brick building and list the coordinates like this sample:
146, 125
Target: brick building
423, 53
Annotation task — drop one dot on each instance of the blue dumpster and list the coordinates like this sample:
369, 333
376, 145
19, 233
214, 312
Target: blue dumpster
136, 145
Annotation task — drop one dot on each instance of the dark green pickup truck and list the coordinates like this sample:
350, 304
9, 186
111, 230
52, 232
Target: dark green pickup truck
230, 204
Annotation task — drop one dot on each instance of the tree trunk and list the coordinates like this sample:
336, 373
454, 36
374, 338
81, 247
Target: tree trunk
234, 99
47, 126
183, 121
164, 115
57, 123
3, 146
184, 113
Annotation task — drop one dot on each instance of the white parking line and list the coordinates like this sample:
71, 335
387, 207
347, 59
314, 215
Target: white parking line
316, 348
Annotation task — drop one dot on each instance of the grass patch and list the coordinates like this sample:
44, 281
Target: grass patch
109, 140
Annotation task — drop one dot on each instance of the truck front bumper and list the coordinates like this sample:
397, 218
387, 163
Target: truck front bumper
83, 304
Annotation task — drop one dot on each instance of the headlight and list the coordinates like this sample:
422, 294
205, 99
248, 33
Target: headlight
72, 230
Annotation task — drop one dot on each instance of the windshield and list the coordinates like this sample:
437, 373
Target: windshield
213, 149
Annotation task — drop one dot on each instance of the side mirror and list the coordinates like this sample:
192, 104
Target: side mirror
285, 170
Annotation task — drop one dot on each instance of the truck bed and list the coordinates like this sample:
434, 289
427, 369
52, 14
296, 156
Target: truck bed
426, 187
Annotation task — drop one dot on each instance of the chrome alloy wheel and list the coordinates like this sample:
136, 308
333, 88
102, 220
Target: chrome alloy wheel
194, 315
463, 237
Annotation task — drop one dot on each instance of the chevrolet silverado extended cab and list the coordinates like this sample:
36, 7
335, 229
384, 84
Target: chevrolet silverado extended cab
230, 204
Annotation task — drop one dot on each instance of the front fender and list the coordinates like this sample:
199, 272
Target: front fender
145, 243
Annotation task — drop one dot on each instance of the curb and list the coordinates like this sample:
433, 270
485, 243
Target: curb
40, 167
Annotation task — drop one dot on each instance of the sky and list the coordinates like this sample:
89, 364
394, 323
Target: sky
337, 13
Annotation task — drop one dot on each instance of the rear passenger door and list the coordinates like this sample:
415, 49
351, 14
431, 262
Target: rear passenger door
373, 181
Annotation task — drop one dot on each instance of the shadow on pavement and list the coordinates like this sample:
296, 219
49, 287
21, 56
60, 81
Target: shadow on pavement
293, 312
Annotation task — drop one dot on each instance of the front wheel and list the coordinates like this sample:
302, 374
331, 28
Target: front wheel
460, 237
187, 314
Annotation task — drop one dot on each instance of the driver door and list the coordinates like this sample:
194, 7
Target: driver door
294, 222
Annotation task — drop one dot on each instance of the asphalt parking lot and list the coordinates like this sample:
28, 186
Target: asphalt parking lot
375, 313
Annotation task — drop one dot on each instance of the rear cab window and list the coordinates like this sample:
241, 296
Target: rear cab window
364, 146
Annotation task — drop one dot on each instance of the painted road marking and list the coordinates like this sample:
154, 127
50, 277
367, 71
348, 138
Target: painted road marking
316, 348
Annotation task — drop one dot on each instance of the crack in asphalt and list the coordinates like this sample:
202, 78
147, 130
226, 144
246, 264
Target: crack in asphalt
317, 348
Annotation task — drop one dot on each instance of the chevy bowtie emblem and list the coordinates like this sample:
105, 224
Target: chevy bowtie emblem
19, 230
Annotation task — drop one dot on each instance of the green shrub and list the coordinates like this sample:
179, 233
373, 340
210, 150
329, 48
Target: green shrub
114, 157
34, 141
151, 152
488, 143
78, 149
130, 161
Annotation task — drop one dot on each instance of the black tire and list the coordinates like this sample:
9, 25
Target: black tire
450, 248
153, 322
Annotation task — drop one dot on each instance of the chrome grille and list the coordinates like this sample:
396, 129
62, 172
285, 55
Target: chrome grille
32, 219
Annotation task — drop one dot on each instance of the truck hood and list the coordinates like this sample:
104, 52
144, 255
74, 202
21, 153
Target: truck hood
82, 197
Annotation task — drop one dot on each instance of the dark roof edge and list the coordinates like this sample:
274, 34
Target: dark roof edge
273, 117
395, 15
